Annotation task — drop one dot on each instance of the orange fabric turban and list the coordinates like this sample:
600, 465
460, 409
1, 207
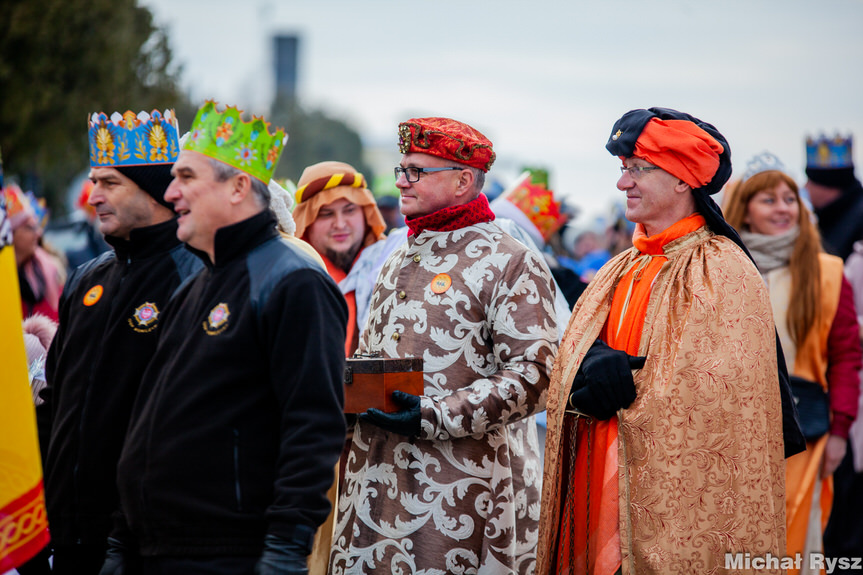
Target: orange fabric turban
681, 148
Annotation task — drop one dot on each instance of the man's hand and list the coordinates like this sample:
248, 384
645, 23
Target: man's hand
406, 421
284, 556
604, 381
834, 453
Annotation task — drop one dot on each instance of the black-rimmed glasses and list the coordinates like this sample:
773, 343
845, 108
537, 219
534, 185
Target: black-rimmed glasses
412, 174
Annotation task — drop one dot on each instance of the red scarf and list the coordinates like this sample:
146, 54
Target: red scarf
453, 218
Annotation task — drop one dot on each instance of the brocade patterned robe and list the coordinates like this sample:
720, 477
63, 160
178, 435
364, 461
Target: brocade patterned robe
701, 454
463, 497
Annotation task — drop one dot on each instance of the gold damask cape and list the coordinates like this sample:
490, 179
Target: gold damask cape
701, 454
463, 497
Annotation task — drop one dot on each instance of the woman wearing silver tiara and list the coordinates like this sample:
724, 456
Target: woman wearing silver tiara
815, 317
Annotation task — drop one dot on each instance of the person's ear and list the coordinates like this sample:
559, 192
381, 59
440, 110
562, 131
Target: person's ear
465, 182
682, 187
241, 187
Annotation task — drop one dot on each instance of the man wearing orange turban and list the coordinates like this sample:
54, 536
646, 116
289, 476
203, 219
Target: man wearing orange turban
665, 448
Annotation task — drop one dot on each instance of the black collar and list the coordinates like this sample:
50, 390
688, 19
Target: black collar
238, 239
146, 242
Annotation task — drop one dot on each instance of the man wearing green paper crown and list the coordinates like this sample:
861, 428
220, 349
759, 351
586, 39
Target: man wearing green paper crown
231, 450
110, 319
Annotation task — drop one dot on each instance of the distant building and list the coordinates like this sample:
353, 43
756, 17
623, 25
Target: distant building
287, 49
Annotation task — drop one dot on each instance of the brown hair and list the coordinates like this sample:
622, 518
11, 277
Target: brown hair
803, 306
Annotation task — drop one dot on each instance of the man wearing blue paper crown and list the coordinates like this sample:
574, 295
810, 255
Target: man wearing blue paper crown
233, 441
110, 317
835, 192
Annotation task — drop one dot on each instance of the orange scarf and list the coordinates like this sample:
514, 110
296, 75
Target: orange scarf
595, 526
352, 335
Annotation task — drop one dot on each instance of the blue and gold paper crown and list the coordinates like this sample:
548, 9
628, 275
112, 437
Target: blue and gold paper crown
247, 146
829, 153
131, 139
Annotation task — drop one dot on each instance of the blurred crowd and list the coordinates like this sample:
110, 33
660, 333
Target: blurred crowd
805, 238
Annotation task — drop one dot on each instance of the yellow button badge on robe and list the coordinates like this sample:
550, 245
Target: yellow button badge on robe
441, 283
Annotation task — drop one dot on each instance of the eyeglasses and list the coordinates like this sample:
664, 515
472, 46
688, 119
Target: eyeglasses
637, 171
413, 174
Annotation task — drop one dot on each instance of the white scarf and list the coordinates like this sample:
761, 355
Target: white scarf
773, 251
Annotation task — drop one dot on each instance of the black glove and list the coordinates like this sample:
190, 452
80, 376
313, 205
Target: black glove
407, 421
286, 556
116, 558
604, 381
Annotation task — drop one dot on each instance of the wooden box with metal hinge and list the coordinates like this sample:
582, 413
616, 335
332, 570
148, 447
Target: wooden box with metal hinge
371, 380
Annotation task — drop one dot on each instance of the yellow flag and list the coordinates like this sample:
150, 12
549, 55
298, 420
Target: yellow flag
23, 521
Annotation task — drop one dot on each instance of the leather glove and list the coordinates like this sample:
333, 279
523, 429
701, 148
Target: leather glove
604, 381
406, 421
286, 556
116, 558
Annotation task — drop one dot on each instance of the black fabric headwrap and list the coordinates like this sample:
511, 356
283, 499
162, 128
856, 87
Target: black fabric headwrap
839, 178
621, 142
153, 179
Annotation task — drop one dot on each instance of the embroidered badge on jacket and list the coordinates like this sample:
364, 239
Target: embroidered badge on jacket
93, 295
145, 319
217, 320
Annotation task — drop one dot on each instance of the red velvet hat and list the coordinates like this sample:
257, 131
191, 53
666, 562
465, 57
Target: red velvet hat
448, 139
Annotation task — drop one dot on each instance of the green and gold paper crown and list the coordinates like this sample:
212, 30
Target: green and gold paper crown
247, 146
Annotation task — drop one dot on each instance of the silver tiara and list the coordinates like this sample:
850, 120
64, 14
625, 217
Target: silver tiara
763, 162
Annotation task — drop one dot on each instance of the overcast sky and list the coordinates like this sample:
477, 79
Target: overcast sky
546, 79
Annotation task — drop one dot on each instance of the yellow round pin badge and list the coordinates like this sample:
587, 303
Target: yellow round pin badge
441, 283
93, 295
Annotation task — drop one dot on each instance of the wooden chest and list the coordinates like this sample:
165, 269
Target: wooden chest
370, 382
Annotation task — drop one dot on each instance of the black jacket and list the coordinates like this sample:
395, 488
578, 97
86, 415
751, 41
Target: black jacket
240, 425
110, 316
841, 222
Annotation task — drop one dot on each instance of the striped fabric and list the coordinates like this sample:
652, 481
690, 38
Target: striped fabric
309, 190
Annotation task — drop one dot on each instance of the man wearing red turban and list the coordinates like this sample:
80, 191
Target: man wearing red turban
665, 448
450, 483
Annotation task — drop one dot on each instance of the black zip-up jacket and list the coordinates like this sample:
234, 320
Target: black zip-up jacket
240, 424
110, 317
